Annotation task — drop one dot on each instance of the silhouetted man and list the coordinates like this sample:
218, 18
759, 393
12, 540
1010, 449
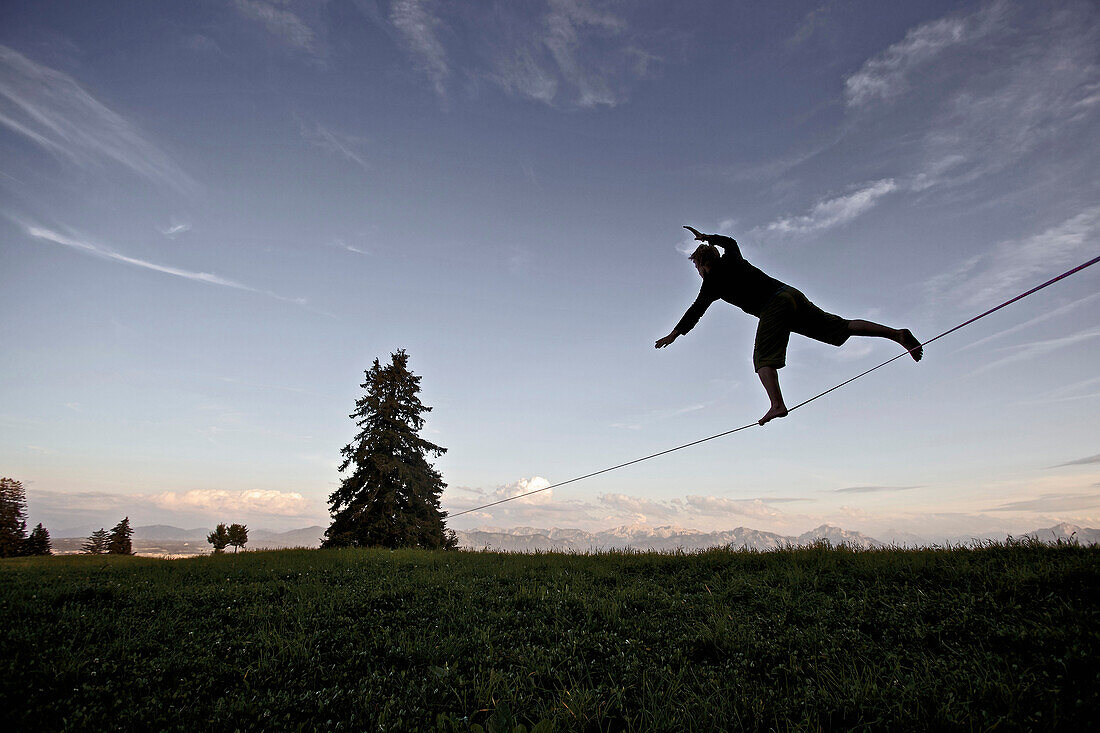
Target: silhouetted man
780, 308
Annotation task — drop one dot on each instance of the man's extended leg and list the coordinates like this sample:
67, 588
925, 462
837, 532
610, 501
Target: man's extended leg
902, 336
769, 377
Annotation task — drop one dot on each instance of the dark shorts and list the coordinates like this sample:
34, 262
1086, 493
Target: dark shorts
790, 311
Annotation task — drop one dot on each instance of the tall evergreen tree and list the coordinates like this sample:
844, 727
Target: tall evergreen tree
118, 543
38, 543
96, 544
13, 517
238, 536
391, 499
219, 538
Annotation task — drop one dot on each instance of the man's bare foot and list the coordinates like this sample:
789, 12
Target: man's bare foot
909, 341
780, 411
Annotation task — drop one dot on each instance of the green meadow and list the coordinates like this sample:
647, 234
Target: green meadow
1003, 637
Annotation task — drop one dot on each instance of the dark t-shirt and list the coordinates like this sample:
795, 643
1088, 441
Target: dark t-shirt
733, 280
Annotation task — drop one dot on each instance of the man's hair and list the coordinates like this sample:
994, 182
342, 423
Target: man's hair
705, 255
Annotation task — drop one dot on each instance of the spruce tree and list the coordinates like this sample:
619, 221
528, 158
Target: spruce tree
38, 543
13, 517
391, 498
238, 536
219, 538
118, 543
96, 544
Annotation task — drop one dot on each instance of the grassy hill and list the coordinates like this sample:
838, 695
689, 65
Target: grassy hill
1003, 636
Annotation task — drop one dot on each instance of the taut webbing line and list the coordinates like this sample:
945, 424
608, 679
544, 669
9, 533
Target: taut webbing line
1035, 289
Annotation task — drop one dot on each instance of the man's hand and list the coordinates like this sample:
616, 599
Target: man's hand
663, 342
698, 234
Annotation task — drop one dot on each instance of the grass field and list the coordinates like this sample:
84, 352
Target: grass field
1004, 637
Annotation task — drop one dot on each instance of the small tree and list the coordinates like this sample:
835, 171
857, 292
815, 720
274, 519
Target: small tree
219, 538
38, 543
238, 536
392, 497
97, 543
13, 518
118, 543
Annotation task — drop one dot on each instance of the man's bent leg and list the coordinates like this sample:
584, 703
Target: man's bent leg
902, 336
769, 377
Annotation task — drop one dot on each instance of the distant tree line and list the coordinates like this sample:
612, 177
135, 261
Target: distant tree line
14, 540
223, 536
115, 542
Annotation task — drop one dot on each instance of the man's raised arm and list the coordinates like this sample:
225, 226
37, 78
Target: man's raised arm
729, 244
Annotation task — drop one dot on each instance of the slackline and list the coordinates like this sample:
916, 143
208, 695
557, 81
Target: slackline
1035, 289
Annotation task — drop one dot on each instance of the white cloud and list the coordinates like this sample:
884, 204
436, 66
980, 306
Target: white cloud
280, 23
571, 52
525, 486
97, 251
1051, 503
1038, 348
341, 244
1031, 76
175, 228
1046, 316
887, 75
567, 20
418, 26
721, 506
218, 502
642, 509
52, 110
1013, 265
637, 423
873, 489
521, 73
331, 141
835, 211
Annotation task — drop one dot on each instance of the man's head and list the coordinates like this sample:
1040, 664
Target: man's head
705, 256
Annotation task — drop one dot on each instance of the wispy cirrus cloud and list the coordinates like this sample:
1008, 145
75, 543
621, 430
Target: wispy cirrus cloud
1048, 315
656, 416
52, 110
1032, 75
567, 22
341, 244
1080, 461
1051, 503
1032, 80
577, 53
835, 211
887, 75
1039, 348
108, 254
284, 24
418, 23
175, 228
1012, 264
873, 489
331, 141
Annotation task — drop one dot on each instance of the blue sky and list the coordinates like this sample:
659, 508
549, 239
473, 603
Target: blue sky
215, 215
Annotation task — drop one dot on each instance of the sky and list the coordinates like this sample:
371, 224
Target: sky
215, 215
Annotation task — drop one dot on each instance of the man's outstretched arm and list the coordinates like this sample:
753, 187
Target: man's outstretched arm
663, 342
727, 243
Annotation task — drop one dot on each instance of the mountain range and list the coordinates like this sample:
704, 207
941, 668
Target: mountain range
165, 540
640, 537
